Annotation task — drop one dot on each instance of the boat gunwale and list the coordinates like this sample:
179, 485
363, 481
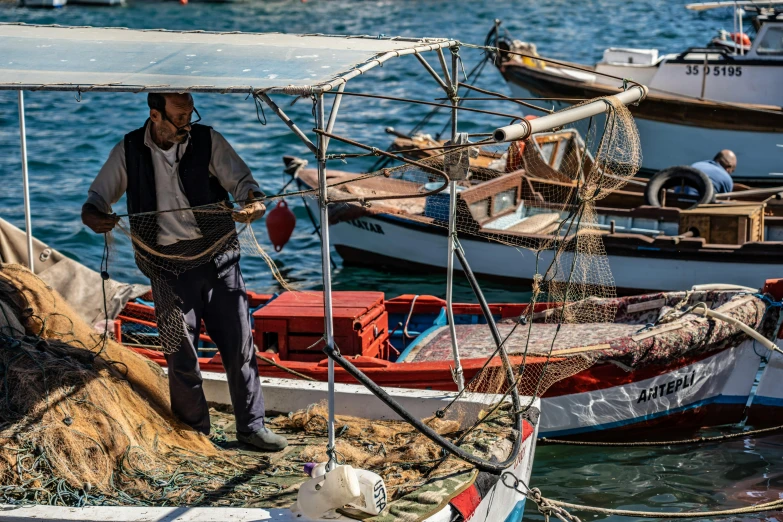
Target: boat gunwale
656, 106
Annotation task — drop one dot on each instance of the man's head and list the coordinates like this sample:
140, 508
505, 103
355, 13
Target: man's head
726, 159
171, 113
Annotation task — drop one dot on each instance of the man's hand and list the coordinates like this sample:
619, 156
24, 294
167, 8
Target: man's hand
251, 211
98, 221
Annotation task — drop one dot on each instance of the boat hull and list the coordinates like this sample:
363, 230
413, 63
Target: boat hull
395, 242
710, 391
498, 503
666, 142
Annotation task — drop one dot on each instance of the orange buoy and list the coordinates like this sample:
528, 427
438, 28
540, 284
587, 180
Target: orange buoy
741, 38
516, 149
183, 2
280, 223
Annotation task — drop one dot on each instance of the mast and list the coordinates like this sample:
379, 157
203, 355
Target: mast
457, 371
25, 182
327, 271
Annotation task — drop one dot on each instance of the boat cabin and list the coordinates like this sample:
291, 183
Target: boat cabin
732, 67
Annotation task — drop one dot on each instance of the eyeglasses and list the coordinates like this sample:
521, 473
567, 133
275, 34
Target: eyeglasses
180, 128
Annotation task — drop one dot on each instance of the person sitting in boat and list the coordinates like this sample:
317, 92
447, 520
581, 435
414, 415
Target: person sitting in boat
168, 139
719, 170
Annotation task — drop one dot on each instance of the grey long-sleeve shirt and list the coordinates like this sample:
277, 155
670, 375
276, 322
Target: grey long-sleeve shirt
226, 165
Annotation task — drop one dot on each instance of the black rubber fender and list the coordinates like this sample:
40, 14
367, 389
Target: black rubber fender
676, 176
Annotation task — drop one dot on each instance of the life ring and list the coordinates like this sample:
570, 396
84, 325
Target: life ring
677, 176
741, 39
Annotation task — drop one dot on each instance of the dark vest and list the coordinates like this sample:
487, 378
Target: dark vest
200, 188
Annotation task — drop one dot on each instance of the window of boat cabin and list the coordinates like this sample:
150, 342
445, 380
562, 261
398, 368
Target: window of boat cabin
503, 201
771, 41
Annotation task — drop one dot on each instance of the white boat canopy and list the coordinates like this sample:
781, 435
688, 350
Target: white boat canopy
57, 58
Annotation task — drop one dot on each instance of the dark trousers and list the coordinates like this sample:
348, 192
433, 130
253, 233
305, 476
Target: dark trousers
222, 303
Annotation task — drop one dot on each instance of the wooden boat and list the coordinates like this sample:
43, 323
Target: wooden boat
688, 115
489, 163
733, 242
680, 375
330, 62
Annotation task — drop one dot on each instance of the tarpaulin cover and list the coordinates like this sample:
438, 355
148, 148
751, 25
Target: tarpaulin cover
79, 285
54, 57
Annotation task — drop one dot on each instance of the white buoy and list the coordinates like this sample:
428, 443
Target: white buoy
315, 498
322, 494
373, 492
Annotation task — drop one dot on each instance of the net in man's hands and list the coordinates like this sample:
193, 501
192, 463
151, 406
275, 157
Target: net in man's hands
217, 239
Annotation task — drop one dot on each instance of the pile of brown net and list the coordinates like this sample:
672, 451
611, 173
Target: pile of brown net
85, 421
394, 449
80, 414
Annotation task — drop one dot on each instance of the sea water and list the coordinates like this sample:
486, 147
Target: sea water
70, 136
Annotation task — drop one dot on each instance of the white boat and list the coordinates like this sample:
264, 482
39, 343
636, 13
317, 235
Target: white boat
700, 101
647, 249
43, 3
241, 63
282, 395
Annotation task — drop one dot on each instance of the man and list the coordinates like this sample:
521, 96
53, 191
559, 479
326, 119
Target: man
174, 163
719, 170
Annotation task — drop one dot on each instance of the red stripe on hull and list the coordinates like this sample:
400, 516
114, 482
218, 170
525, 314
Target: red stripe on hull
437, 375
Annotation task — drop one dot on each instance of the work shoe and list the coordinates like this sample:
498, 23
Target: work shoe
263, 439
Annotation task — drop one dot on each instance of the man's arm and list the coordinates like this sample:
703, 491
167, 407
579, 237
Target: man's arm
99, 222
235, 176
107, 188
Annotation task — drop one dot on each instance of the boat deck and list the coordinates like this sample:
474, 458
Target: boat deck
475, 341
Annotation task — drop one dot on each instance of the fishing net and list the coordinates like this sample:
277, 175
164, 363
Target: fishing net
214, 237
525, 211
529, 206
85, 421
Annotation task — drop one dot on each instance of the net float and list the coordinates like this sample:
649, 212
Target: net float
280, 223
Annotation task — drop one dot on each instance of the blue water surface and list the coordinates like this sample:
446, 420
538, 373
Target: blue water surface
69, 139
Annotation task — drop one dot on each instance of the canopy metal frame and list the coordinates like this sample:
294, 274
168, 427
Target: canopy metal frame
324, 128
318, 148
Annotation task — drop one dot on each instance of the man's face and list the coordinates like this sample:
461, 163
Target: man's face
174, 122
731, 168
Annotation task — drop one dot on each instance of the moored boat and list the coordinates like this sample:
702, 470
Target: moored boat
700, 101
638, 373
732, 242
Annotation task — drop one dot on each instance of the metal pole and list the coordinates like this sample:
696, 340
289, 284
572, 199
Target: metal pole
333, 113
326, 268
524, 128
26, 183
742, 31
457, 372
291, 125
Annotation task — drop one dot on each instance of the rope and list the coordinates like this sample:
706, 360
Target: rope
549, 507
289, 370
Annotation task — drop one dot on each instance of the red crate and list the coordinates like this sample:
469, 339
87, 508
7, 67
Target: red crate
294, 322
